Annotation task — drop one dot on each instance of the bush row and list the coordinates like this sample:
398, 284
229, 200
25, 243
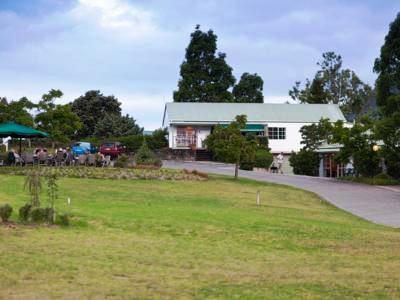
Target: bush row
28, 213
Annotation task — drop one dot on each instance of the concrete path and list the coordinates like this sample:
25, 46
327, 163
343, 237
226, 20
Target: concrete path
377, 204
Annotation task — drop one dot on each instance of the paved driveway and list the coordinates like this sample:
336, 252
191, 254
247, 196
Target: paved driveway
380, 205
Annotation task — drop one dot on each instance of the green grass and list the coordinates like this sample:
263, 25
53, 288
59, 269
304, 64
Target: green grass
372, 180
195, 239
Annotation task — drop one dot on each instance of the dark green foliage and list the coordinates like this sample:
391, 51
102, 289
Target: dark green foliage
229, 145
93, 107
39, 215
122, 161
63, 219
249, 89
205, 76
116, 125
357, 142
247, 165
263, 159
5, 212
58, 120
332, 84
24, 212
145, 156
388, 68
262, 142
131, 142
16, 111
382, 176
388, 97
315, 134
158, 139
305, 162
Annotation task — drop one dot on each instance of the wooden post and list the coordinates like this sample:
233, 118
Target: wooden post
258, 198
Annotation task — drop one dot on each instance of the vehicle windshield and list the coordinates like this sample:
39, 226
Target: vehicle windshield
76, 145
108, 145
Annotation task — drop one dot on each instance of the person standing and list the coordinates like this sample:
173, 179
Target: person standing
280, 162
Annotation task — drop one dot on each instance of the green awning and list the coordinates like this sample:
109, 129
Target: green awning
250, 127
15, 130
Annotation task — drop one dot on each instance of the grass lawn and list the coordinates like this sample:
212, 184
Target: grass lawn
372, 180
195, 239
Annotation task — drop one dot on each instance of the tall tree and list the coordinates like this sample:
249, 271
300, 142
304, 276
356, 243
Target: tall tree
228, 144
205, 75
332, 84
114, 125
249, 89
93, 107
57, 119
16, 111
388, 97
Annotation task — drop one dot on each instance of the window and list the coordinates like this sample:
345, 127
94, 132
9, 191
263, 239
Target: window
276, 133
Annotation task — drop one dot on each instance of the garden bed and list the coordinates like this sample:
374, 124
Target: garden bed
109, 173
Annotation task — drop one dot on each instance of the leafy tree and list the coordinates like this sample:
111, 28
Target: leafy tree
229, 145
56, 119
332, 84
249, 89
357, 142
205, 75
315, 134
388, 97
116, 125
16, 111
93, 107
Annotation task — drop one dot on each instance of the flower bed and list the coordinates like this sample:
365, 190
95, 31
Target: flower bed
109, 173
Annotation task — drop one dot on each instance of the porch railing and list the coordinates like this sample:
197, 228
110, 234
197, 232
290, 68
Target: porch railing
184, 141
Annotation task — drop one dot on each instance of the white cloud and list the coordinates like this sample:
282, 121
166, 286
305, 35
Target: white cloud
116, 15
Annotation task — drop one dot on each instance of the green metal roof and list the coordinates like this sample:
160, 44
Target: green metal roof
178, 112
19, 131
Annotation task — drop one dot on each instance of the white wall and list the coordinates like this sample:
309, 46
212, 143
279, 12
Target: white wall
291, 143
293, 138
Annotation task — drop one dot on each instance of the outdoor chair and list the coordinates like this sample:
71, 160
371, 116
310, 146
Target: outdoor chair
28, 158
42, 158
106, 161
91, 160
82, 160
60, 159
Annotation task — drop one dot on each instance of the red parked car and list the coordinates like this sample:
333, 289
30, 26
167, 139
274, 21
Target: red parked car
112, 148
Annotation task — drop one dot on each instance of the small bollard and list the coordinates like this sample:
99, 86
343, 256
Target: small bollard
258, 198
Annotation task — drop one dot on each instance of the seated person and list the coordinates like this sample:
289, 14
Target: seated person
11, 157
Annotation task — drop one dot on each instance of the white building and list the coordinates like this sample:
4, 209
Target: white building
190, 123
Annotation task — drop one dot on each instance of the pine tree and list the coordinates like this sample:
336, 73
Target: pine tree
249, 89
205, 75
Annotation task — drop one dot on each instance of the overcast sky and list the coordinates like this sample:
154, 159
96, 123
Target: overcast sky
133, 49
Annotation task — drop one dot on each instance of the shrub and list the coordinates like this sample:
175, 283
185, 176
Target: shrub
145, 156
122, 161
131, 142
382, 176
39, 215
305, 162
247, 165
63, 219
24, 212
5, 212
263, 159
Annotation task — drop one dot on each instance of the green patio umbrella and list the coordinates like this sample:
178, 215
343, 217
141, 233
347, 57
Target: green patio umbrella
15, 130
